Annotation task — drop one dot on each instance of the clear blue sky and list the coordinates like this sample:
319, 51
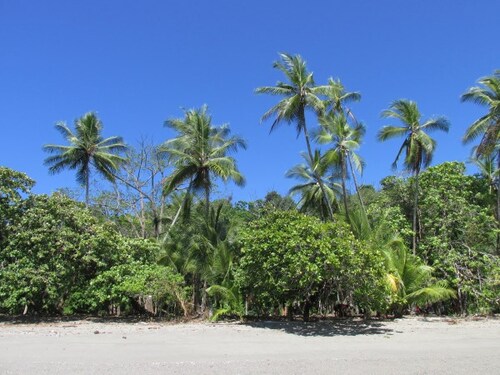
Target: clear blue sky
138, 63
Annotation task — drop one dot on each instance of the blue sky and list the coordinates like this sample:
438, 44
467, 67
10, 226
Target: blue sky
138, 63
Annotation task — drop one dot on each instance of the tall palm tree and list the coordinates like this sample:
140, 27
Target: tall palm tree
418, 146
200, 154
488, 126
87, 149
337, 98
345, 140
299, 94
311, 196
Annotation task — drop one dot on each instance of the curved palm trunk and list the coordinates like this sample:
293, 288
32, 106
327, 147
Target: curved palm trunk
177, 214
302, 125
356, 185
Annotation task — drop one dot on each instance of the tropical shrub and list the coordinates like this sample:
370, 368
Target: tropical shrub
131, 287
52, 252
289, 258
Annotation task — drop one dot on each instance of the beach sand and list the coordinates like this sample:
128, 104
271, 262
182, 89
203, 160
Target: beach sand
413, 345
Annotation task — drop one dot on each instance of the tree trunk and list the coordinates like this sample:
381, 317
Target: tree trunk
289, 311
415, 206
356, 186
307, 310
207, 203
195, 292
188, 192
142, 216
302, 125
87, 187
204, 296
344, 190
498, 202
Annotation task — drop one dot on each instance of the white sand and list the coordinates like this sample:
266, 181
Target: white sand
404, 346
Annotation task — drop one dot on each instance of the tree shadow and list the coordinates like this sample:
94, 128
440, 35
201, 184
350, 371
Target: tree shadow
327, 328
75, 319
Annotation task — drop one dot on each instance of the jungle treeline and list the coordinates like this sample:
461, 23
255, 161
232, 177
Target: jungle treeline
156, 242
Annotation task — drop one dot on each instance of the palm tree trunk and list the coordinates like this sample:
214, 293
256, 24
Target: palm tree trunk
180, 207
87, 187
177, 214
356, 186
344, 190
207, 203
415, 207
302, 125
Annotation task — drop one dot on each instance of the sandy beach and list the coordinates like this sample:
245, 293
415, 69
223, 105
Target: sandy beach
411, 345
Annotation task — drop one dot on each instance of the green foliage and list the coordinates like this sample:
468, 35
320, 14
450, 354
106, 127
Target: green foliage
125, 288
457, 235
13, 185
229, 301
417, 145
411, 281
87, 149
53, 250
297, 258
311, 197
299, 93
200, 153
487, 127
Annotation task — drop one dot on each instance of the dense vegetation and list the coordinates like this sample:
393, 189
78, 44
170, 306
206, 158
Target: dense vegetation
157, 243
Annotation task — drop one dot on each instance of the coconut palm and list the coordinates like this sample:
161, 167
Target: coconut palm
345, 140
418, 146
488, 126
311, 196
200, 154
87, 150
337, 98
487, 167
299, 94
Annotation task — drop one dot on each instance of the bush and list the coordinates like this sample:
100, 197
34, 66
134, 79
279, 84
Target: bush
289, 258
136, 287
53, 251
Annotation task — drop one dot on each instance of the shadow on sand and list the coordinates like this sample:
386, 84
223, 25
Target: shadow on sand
74, 319
329, 327
344, 327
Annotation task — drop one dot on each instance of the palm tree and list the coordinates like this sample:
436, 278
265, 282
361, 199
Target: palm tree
418, 145
487, 167
345, 139
86, 150
408, 278
311, 196
200, 154
337, 98
488, 126
412, 282
299, 94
